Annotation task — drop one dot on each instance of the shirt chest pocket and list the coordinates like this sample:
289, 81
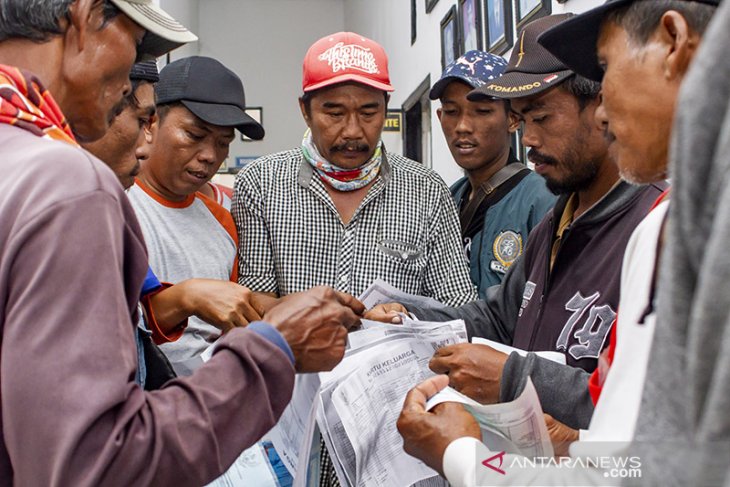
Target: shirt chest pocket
404, 254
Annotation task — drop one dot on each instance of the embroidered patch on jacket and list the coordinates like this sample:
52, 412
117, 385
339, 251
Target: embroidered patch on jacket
506, 248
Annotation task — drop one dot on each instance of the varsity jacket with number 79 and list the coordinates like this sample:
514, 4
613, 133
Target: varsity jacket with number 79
568, 309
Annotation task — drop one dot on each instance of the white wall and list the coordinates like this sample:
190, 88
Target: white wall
185, 12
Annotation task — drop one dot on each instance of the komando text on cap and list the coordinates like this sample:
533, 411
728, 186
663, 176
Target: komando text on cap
212, 92
531, 68
575, 41
475, 68
163, 32
345, 56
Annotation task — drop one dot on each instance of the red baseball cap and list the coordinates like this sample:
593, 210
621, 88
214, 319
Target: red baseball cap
345, 56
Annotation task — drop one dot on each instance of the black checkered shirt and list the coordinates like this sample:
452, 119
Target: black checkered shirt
292, 238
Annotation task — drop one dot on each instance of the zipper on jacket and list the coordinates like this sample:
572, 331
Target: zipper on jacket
546, 287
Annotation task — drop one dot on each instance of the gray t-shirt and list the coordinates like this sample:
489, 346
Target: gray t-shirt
191, 239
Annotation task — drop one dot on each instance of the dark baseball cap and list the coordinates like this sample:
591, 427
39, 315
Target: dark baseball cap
531, 68
210, 91
575, 40
145, 71
475, 68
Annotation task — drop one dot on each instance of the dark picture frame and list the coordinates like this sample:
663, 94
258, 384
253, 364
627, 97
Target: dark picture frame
414, 22
498, 25
449, 37
470, 25
529, 10
430, 4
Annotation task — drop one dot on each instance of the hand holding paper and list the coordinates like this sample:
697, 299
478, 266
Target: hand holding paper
426, 434
386, 313
473, 370
315, 323
561, 436
515, 427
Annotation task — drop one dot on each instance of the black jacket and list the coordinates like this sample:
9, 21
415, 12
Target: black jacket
569, 310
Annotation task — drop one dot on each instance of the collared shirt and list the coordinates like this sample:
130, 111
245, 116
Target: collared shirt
405, 232
565, 220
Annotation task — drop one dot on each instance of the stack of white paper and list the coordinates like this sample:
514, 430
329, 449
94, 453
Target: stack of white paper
355, 406
360, 400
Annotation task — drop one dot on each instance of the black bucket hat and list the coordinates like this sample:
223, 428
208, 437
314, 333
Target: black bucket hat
574, 41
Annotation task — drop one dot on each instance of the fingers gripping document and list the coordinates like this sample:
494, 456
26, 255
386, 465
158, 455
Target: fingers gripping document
513, 427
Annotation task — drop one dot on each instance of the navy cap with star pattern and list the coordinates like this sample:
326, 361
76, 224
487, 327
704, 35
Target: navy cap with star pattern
474, 68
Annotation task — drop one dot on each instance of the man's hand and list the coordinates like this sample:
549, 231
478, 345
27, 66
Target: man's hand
263, 302
561, 436
473, 370
426, 434
386, 313
315, 324
223, 304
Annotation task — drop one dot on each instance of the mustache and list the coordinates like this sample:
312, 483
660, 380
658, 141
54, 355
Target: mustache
538, 158
350, 146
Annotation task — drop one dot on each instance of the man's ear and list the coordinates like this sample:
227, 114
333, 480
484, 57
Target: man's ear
80, 16
513, 122
303, 109
150, 131
680, 43
588, 113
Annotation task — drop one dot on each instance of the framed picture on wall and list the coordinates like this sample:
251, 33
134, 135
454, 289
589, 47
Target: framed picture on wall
498, 25
257, 113
470, 21
430, 4
449, 38
529, 10
414, 22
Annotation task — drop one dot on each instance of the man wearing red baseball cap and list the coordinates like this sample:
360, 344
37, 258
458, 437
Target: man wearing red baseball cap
339, 210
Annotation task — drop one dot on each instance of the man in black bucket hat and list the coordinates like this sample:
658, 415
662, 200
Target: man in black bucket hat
645, 48
642, 50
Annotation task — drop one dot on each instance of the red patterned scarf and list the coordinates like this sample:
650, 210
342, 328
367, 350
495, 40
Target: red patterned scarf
25, 103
